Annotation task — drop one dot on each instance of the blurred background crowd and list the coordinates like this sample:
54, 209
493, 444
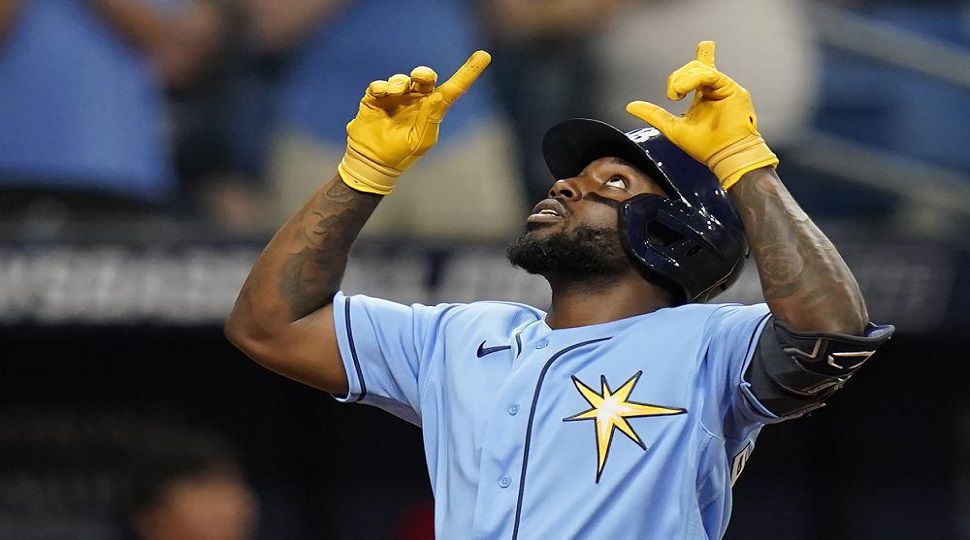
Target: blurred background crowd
148, 147
227, 113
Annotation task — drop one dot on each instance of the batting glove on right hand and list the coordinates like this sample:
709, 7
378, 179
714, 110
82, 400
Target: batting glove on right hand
720, 128
397, 122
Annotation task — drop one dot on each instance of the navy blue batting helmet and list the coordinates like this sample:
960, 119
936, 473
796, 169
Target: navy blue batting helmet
693, 240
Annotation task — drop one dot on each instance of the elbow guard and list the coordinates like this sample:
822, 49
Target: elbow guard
792, 373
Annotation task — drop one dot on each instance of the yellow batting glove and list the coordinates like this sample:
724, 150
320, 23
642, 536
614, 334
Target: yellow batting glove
720, 128
397, 122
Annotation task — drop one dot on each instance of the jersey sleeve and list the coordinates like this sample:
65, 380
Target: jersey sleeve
384, 349
733, 332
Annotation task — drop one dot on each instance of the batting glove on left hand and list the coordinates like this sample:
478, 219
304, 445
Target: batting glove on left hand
720, 128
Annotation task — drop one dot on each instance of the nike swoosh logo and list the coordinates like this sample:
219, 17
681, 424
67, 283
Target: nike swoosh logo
483, 350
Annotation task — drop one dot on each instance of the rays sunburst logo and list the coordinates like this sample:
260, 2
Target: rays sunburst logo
609, 411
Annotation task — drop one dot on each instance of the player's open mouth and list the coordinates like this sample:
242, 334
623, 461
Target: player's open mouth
547, 211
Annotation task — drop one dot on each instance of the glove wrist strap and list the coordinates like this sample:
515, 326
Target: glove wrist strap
733, 161
363, 174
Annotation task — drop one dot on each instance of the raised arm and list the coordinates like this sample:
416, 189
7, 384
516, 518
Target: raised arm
805, 282
283, 317
821, 334
804, 279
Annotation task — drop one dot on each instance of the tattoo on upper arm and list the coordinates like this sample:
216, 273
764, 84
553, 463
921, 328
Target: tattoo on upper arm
328, 226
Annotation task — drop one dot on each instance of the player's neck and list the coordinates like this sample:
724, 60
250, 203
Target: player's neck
594, 302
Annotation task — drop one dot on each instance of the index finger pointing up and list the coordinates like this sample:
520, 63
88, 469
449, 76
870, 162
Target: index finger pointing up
705, 52
459, 83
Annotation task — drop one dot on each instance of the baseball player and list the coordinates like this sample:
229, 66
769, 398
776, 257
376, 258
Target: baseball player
629, 408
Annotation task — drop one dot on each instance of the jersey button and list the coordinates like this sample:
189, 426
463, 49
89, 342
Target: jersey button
513, 410
504, 482
542, 344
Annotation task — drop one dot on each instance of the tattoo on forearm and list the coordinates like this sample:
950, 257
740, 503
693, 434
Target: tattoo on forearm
802, 275
328, 226
771, 228
782, 267
340, 192
319, 226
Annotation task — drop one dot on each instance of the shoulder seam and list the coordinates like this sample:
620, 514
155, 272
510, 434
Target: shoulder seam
535, 311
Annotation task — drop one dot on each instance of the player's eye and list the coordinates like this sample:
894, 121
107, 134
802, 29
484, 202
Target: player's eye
617, 182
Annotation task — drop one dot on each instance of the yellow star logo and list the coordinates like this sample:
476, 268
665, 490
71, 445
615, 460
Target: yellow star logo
610, 410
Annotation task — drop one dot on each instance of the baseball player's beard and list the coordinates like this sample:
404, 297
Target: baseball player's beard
584, 254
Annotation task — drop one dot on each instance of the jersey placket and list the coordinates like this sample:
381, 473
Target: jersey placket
502, 446
505, 445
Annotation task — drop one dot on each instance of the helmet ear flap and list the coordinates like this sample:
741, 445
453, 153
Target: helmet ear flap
681, 244
659, 234
647, 236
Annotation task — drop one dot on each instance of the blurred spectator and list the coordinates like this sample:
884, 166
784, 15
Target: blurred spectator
766, 45
219, 120
82, 105
464, 188
74, 471
8, 10
189, 487
545, 70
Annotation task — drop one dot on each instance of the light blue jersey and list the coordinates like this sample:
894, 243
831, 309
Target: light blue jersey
634, 428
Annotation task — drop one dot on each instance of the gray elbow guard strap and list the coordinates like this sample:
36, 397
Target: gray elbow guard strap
793, 373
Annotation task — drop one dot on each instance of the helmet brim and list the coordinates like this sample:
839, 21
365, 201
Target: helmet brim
568, 147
